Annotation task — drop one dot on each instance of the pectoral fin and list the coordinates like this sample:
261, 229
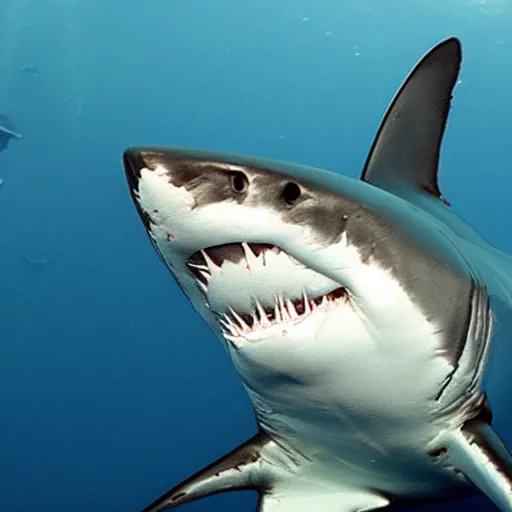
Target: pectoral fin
262, 465
479, 454
240, 469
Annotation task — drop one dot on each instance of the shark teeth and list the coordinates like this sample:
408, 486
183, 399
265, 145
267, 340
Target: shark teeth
284, 310
205, 264
209, 261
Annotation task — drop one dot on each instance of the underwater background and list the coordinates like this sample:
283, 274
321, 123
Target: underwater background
112, 389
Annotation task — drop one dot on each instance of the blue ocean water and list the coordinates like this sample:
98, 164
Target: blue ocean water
111, 387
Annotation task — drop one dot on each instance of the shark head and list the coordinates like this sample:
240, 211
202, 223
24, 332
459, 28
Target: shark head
246, 241
290, 264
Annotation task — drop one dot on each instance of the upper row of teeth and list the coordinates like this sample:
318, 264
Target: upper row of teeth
211, 268
208, 270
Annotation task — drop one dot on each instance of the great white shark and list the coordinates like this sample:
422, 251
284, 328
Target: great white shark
371, 326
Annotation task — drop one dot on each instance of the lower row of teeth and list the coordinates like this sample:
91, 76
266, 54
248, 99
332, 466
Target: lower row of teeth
284, 310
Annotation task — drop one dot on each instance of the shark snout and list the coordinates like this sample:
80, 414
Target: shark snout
191, 200
133, 163
139, 158
200, 174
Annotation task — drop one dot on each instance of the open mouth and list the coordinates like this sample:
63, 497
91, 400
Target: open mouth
255, 259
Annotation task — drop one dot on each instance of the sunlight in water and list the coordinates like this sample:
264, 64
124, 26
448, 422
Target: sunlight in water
492, 7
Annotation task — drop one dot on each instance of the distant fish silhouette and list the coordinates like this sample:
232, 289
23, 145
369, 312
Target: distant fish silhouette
30, 70
7, 132
35, 261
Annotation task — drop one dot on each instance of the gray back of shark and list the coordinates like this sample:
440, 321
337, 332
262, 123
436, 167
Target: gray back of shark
398, 197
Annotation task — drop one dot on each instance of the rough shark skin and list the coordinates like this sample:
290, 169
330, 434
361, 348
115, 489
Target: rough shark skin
369, 324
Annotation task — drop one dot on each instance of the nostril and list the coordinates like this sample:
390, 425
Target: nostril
291, 193
239, 182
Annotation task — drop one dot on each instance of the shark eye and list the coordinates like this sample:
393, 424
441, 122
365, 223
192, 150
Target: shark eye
239, 182
291, 193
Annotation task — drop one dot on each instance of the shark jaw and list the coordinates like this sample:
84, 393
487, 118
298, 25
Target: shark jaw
263, 288
256, 291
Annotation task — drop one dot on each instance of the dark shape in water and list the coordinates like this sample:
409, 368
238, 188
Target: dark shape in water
7, 132
30, 69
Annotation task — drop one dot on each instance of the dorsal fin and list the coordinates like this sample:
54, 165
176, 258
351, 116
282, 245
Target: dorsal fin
239, 469
404, 156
